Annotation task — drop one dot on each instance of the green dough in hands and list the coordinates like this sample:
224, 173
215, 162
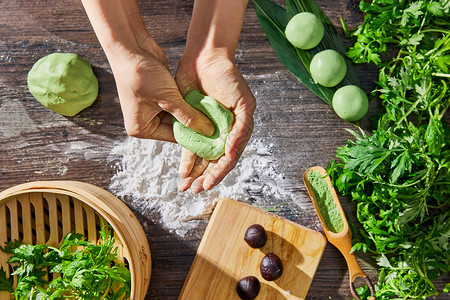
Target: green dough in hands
63, 82
207, 147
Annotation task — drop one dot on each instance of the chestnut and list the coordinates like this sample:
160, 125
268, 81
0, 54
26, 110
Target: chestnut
248, 288
256, 236
271, 267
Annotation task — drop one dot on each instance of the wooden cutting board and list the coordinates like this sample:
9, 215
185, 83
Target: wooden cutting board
223, 257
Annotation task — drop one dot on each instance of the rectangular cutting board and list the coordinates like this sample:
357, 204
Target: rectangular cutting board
223, 257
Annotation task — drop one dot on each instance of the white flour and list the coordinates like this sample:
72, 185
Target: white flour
147, 171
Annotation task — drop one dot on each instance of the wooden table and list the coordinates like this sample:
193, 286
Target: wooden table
34, 141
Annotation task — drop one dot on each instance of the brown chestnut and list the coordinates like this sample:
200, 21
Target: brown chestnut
271, 267
248, 288
256, 236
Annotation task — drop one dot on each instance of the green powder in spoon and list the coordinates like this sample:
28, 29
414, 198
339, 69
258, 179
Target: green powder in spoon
325, 202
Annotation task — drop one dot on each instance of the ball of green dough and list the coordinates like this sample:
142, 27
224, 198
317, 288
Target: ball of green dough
350, 103
207, 147
305, 30
328, 68
63, 82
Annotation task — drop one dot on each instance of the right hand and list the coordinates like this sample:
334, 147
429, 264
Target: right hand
214, 72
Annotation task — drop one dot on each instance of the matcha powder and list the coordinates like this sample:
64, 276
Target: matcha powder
325, 202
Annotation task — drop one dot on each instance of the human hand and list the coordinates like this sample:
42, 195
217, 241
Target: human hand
149, 95
216, 75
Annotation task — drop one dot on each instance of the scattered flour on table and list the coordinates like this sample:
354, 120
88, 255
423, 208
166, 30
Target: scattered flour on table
147, 173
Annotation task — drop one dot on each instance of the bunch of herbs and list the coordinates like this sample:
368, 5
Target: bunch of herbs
81, 270
399, 175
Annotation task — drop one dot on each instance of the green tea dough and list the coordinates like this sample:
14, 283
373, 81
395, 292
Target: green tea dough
328, 68
207, 147
350, 103
63, 82
305, 30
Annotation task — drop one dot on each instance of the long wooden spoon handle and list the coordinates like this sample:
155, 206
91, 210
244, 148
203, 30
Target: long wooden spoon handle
355, 271
353, 266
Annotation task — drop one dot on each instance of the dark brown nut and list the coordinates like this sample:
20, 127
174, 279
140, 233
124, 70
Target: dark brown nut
256, 236
271, 267
248, 288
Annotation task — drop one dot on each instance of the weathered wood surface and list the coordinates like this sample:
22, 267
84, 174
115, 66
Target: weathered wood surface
35, 143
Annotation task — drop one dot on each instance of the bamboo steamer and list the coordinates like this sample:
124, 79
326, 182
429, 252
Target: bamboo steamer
44, 212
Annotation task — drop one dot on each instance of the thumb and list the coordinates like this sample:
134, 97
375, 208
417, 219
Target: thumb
188, 116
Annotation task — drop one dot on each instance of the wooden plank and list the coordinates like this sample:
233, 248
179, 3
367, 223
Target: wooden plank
14, 219
79, 218
38, 204
90, 223
3, 236
66, 216
53, 239
26, 218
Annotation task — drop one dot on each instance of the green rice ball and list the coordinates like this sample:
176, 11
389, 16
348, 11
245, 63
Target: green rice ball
305, 30
350, 103
328, 68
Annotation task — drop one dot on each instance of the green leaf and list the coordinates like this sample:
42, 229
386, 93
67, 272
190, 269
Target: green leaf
400, 163
446, 288
90, 272
434, 136
6, 283
10, 246
435, 8
383, 261
274, 18
443, 62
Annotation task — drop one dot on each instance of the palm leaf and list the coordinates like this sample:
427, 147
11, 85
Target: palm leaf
274, 18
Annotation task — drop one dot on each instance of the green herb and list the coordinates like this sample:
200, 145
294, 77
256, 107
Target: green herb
274, 18
325, 202
87, 273
400, 174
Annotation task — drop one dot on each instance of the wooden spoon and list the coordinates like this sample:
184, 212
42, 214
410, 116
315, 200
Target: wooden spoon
341, 240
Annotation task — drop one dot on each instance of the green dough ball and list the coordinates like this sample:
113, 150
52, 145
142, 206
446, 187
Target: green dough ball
305, 30
207, 147
63, 82
328, 68
350, 103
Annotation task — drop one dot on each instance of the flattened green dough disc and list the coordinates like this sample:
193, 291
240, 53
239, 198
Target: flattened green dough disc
63, 82
207, 147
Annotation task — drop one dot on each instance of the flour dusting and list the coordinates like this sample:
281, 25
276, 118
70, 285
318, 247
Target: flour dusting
147, 172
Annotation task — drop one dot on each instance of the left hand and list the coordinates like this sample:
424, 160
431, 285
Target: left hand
215, 74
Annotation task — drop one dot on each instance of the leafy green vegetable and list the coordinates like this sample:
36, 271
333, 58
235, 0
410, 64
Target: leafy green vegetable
400, 175
274, 18
87, 273
6, 284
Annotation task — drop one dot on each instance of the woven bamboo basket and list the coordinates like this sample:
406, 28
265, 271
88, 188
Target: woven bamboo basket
44, 212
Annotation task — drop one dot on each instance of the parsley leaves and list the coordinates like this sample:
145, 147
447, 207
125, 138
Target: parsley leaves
400, 174
87, 271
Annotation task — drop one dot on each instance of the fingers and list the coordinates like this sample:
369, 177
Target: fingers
198, 169
187, 163
189, 116
205, 176
217, 172
239, 136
